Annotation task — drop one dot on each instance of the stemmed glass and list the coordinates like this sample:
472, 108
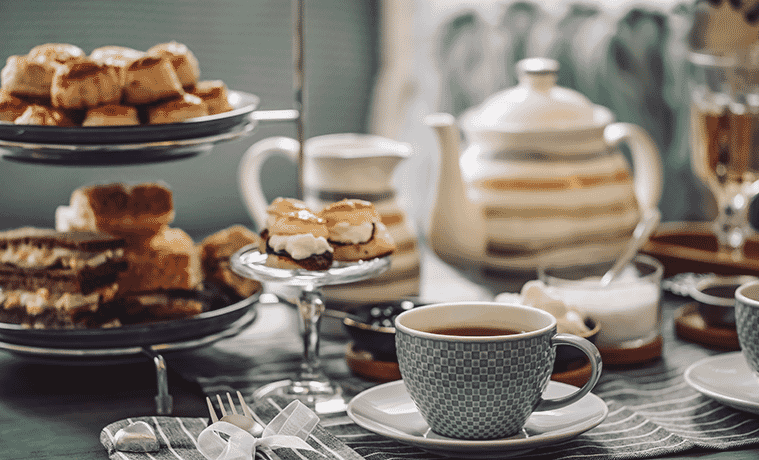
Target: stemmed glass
311, 386
725, 140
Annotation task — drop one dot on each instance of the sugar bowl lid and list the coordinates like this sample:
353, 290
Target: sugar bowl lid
536, 104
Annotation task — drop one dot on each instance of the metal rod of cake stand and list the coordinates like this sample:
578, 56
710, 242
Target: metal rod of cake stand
164, 403
299, 88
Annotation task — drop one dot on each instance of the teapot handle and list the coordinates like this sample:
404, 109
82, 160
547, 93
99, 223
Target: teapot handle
249, 173
648, 174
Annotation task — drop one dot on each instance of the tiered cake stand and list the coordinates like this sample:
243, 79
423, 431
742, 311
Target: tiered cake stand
139, 145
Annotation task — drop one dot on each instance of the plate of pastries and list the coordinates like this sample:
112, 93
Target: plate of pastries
114, 272
57, 94
341, 243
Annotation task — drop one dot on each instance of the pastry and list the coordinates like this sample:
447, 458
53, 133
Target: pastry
131, 211
177, 110
24, 77
11, 107
214, 93
111, 115
279, 207
56, 279
166, 261
298, 240
120, 56
60, 53
84, 84
37, 114
215, 251
356, 231
184, 62
150, 79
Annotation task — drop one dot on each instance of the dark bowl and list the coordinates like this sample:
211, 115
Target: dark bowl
371, 327
378, 336
715, 296
566, 356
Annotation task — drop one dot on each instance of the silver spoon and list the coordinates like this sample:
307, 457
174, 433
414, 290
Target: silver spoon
641, 234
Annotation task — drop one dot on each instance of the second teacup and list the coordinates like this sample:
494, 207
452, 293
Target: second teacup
477, 370
747, 322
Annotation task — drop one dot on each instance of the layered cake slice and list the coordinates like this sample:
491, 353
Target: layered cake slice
52, 279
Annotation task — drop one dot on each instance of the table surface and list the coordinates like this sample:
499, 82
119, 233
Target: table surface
56, 411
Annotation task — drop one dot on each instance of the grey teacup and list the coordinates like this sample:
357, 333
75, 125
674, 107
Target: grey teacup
482, 386
747, 322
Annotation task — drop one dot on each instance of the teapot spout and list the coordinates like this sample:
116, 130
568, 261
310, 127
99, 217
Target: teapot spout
457, 227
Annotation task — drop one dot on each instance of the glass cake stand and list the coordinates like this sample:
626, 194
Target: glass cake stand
311, 386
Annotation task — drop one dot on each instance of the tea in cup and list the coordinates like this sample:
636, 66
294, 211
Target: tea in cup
747, 322
477, 370
716, 298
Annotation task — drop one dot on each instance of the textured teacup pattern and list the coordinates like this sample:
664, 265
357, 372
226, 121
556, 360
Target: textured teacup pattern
476, 390
747, 324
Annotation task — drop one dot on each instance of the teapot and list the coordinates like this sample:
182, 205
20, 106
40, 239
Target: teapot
337, 166
541, 180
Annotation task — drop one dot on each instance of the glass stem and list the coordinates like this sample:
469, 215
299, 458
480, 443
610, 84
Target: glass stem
730, 225
311, 307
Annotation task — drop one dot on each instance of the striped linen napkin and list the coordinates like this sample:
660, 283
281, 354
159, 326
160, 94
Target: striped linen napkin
178, 437
652, 410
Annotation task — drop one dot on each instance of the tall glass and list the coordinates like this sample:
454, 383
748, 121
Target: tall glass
725, 140
310, 385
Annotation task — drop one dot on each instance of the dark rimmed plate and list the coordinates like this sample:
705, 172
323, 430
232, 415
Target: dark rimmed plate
220, 315
243, 105
129, 145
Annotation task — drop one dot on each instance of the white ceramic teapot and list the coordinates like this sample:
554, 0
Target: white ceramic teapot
345, 165
541, 181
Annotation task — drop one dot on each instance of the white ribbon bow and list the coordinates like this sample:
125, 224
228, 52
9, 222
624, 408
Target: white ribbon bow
290, 428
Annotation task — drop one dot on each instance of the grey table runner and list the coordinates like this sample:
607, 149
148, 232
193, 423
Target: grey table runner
652, 410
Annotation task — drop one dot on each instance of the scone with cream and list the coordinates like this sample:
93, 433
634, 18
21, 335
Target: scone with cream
215, 251
150, 79
111, 115
177, 110
356, 231
214, 93
299, 240
279, 207
25, 77
37, 114
11, 107
182, 59
60, 53
83, 84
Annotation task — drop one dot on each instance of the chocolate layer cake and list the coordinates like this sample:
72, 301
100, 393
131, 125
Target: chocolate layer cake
51, 279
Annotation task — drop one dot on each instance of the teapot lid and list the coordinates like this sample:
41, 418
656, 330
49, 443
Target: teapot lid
536, 104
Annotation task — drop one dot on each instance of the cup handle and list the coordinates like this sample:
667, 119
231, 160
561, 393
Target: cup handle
595, 363
648, 177
249, 173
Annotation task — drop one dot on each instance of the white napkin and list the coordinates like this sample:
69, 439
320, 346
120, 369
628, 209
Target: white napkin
290, 428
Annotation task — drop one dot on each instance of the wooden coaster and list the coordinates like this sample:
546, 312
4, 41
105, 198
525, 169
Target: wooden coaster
632, 356
363, 363
690, 326
577, 373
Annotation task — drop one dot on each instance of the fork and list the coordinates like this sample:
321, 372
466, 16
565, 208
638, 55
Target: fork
244, 420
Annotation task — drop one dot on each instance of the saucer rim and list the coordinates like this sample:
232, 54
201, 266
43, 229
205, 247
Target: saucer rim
491, 445
714, 392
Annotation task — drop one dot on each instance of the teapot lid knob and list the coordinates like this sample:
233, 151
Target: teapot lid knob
539, 73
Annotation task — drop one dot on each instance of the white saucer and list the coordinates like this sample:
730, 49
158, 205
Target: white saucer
387, 410
726, 378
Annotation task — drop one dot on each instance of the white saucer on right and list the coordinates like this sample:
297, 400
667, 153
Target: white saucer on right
388, 410
727, 379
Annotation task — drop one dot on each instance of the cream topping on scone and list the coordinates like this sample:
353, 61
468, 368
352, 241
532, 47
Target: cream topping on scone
300, 246
344, 232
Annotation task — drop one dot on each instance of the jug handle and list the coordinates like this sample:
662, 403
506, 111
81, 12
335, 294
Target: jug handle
648, 176
249, 173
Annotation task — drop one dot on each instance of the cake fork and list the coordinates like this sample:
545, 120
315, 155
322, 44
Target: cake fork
246, 420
